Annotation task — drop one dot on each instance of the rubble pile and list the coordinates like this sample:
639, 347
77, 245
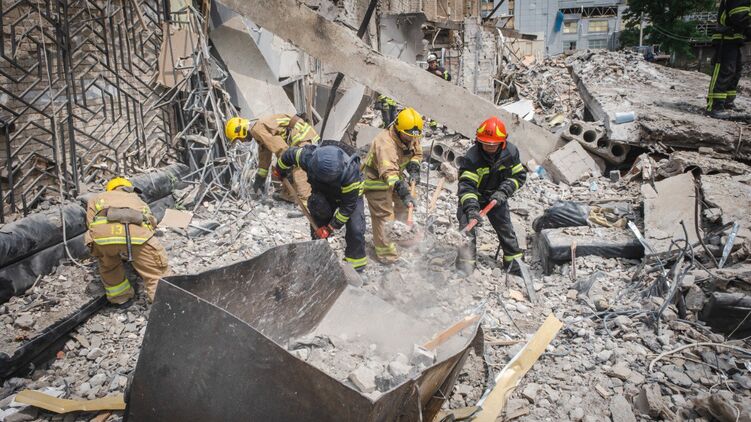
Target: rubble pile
549, 85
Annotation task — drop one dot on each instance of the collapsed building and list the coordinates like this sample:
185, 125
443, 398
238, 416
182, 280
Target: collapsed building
636, 303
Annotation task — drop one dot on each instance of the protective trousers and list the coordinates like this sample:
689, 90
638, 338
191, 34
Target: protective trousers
500, 219
385, 206
299, 181
149, 260
727, 65
322, 210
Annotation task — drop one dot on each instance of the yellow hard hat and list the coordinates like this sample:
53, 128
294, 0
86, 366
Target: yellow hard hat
236, 128
117, 182
409, 122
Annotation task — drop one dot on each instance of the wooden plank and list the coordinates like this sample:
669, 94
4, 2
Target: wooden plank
513, 372
443, 336
56, 405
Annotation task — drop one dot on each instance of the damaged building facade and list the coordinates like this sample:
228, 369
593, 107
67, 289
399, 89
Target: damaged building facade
632, 301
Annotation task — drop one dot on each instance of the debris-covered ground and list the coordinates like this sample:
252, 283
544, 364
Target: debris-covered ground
632, 346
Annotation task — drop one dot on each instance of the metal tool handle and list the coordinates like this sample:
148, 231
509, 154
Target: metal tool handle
483, 213
128, 242
411, 208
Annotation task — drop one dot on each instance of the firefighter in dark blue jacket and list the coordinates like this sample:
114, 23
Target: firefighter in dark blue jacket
490, 170
733, 30
336, 199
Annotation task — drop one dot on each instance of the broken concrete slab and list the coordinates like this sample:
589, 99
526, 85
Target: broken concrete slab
365, 135
732, 195
571, 163
554, 245
340, 49
345, 113
254, 87
670, 110
666, 204
401, 35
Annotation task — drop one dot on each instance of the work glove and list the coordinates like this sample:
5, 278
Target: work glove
324, 232
402, 190
413, 170
259, 184
499, 196
474, 213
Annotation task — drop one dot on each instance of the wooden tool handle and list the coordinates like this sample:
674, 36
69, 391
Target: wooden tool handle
411, 208
483, 213
302, 206
436, 194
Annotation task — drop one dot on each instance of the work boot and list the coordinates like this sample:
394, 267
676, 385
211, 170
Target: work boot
513, 268
719, 113
125, 305
730, 106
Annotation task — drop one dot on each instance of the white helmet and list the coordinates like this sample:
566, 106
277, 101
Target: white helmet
432, 58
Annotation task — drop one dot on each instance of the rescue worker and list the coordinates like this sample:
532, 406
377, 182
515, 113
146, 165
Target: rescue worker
439, 71
435, 69
108, 241
336, 200
393, 151
388, 109
733, 17
490, 170
274, 134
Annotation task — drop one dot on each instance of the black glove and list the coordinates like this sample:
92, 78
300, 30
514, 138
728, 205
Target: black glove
413, 170
402, 189
259, 184
474, 213
499, 196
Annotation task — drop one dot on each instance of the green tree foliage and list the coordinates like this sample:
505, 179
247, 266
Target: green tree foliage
665, 24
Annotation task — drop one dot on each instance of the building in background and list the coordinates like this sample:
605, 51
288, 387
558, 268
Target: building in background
566, 24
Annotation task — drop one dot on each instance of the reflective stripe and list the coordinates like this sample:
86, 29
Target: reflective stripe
375, 185
300, 136
731, 93
352, 186
284, 121
512, 257
315, 140
99, 205
120, 240
263, 172
516, 182
391, 180
470, 176
517, 168
388, 249
339, 216
740, 9
98, 221
711, 95
482, 172
468, 196
281, 164
297, 157
118, 289
415, 159
357, 262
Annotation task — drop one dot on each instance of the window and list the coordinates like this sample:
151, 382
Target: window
571, 45
598, 26
602, 43
571, 27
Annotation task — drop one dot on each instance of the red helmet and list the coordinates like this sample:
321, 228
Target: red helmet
492, 131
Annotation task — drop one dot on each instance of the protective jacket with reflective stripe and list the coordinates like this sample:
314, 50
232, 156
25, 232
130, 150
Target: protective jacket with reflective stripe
103, 232
733, 18
276, 132
481, 175
343, 192
387, 157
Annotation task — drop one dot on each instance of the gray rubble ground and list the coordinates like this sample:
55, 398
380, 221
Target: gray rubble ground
596, 369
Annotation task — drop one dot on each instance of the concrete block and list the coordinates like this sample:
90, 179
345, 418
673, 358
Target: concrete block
594, 139
364, 379
571, 163
666, 204
554, 245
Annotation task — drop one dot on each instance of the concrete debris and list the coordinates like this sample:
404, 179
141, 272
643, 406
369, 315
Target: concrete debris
364, 379
666, 205
571, 164
671, 114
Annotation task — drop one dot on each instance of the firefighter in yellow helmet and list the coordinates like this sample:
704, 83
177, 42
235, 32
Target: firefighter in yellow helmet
395, 151
274, 134
121, 227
